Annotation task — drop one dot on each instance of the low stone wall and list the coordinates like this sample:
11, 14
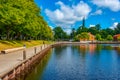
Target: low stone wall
27, 63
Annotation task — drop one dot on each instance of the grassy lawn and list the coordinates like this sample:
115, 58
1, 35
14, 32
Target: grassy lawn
4, 44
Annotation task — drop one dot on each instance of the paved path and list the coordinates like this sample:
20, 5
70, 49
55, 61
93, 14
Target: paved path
8, 61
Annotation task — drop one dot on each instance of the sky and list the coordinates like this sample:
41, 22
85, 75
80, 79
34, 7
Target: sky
69, 13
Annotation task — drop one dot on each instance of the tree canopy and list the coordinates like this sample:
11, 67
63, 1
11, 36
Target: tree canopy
60, 34
21, 19
100, 34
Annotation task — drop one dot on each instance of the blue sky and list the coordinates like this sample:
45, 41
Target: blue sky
69, 13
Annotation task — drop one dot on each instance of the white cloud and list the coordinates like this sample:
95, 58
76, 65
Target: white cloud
91, 25
98, 12
66, 15
114, 25
113, 5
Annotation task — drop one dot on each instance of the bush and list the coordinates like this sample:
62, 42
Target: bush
118, 38
109, 37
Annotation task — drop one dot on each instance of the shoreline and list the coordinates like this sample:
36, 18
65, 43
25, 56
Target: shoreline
35, 53
18, 65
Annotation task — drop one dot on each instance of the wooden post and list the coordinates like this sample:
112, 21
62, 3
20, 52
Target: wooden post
35, 50
14, 73
44, 46
6, 78
24, 54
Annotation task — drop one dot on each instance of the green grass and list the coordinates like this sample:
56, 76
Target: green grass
4, 44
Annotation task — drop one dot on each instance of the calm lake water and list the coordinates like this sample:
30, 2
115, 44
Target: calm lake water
79, 62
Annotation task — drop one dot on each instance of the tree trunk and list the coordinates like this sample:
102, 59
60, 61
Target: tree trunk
8, 34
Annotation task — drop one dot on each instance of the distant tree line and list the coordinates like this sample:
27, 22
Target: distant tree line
21, 20
60, 34
100, 34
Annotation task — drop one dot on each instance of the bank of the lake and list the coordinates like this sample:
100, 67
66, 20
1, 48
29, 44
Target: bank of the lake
7, 44
79, 62
85, 48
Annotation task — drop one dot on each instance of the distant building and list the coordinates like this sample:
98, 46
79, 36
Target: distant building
91, 38
115, 37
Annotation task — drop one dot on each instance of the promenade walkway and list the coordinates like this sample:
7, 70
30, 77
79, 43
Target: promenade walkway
8, 61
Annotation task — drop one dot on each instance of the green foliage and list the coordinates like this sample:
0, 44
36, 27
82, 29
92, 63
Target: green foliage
110, 31
103, 34
109, 37
21, 19
98, 27
81, 29
83, 35
73, 33
59, 34
76, 38
117, 29
118, 38
93, 30
98, 37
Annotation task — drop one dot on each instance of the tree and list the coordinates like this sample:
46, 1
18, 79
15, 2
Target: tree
103, 34
98, 37
98, 27
81, 29
76, 38
83, 36
110, 31
58, 33
118, 38
73, 33
93, 30
117, 29
109, 37
21, 19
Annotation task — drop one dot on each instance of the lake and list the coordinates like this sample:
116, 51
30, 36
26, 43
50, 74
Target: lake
79, 62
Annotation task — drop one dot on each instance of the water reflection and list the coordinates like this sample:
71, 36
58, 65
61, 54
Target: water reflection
117, 50
37, 72
79, 62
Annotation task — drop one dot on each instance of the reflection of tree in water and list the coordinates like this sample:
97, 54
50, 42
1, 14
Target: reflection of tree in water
36, 73
117, 49
98, 49
83, 48
58, 50
108, 47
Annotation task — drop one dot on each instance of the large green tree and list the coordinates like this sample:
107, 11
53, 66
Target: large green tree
21, 19
109, 37
81, 29
83, 35
98, 37
58, 33
93, 30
